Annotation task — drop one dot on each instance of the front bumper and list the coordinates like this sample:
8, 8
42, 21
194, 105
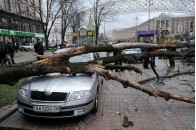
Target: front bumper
65, 111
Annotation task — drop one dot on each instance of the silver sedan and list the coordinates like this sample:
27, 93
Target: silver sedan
60, 95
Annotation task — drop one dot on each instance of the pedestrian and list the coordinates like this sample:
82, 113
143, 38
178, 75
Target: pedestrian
171, 58
152, 59
39, 49
11, 52
63, 45
116, 53
16, 46
146, 60
2, 52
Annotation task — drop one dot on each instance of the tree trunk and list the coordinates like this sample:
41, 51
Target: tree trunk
96, 34
60, 63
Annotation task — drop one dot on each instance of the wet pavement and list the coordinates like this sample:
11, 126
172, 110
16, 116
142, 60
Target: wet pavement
115, 102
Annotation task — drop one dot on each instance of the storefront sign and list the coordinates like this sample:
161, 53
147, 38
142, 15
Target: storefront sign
16, 33
90, 33
4, 32
147, 32
74, 34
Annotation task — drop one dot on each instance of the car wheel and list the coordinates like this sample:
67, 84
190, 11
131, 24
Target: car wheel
95, 108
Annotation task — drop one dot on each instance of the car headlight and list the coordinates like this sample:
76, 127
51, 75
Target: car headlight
76, 95
23, 92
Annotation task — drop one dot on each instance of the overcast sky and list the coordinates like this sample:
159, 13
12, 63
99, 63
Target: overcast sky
128, 20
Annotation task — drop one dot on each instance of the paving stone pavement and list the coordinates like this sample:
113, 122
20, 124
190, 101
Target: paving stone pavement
115, 102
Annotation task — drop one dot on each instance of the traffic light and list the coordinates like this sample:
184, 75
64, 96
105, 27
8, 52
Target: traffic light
191, 27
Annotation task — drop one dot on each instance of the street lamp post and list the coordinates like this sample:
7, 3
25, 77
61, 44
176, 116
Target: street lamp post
136, 18
149, 4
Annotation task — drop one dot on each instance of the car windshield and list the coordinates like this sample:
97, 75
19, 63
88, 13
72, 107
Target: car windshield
27, 44
81, 58
133, 50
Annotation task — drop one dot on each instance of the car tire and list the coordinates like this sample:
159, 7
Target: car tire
95, 108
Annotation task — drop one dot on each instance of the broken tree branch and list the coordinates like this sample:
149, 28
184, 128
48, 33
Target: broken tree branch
156, 93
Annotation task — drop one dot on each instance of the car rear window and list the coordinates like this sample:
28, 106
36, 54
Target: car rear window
81, 58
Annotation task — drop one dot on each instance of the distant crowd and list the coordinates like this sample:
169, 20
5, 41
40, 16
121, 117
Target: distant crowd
7, 51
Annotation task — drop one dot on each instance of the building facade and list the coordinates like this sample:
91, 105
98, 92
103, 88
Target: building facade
54, 38
157, 29
19, 21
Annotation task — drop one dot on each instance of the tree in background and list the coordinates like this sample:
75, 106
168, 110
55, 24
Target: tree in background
47, 14
101, 12
70, 8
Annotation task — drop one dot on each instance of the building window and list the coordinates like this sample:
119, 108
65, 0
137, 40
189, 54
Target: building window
167, 23
17, 8
32, 13
158, 24
7, 5
27, 27
18, 26
26, 11
32, 2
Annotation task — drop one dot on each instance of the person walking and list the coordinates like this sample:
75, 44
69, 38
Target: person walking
116, 53
146, 60
39, 49
16, 46
2, 52
11, 51
171, 58
152, 59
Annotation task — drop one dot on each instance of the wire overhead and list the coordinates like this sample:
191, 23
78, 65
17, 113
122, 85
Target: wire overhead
134, 6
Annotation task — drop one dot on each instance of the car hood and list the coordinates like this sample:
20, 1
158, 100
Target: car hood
61, 83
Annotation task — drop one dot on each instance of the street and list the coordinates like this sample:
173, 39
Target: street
115, 102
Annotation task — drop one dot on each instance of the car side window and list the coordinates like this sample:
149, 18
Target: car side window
96, 55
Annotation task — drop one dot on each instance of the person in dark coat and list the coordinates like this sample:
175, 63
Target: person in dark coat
2, 52
171, 58
39, 49
16, 46
118, 52
152, 59
11, 51
146, 60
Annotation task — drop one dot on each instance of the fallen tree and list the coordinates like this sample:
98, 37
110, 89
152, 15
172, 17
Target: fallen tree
60, 63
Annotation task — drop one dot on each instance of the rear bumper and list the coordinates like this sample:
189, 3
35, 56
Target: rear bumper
65, 111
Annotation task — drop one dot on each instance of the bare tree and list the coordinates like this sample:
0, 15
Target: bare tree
101, 12
47, 15
66, 14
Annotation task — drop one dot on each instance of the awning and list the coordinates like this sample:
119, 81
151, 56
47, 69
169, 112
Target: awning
24, 34
146, 32
39, 35
4, 32
20, 33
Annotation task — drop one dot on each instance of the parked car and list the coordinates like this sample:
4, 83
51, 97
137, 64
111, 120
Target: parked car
133, 51
51, 45
70, 45
58, 95
27, 47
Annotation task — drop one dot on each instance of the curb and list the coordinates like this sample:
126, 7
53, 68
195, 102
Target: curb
7, 111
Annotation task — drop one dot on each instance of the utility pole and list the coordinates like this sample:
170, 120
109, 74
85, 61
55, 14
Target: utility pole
104, 33
149, 4
62, 23
136, 18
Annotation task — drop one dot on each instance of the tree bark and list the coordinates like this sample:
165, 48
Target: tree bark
60, 63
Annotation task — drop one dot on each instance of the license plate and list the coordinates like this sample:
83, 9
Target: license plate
46, 109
